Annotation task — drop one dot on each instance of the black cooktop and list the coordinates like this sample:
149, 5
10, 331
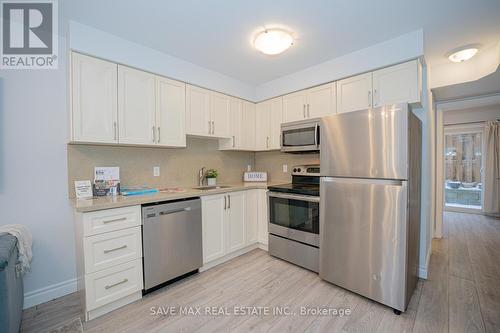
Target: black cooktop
305, 189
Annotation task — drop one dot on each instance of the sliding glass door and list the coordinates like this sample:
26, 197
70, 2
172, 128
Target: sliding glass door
463, 167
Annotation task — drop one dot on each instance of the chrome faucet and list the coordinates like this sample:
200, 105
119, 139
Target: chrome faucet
201, 176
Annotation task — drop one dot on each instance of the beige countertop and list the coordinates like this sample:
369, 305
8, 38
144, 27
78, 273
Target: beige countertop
89, 205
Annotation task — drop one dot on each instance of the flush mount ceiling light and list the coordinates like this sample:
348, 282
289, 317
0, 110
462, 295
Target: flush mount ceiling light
273, 41
462, 54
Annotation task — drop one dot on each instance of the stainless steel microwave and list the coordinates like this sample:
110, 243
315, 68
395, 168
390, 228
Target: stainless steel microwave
300, 136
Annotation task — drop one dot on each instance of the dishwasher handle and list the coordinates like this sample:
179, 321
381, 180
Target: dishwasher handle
187, 209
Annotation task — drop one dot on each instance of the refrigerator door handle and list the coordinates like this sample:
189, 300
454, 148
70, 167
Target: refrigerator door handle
396, 182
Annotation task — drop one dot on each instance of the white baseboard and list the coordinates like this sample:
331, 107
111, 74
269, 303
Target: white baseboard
49, 293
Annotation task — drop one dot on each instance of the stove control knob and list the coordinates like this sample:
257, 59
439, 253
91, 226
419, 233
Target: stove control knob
298, 170
294, 169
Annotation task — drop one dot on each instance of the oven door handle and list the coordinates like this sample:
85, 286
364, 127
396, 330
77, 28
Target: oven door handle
293, 197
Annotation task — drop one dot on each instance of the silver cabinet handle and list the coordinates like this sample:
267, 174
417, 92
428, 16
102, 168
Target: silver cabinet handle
115, 249
308, 114
114, 130
115, 284
225, 202
304, 110
158, 134
369, 98
213, 127
154, 134
228, 202
234, 141
267, 142
209, 127
114, 220
375, 102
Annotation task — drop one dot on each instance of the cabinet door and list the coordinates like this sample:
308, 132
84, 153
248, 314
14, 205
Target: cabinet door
263, 212
220, 115
321, 101
294, 106
236, 221
235, 140
94, 107
170, 112
251, 216
354, 93
136, 106
198, 111
275, 120
397, 84
263, 126
248, 127
213, 212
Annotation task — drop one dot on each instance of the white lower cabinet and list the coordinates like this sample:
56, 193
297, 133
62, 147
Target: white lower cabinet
231, 222
109, 258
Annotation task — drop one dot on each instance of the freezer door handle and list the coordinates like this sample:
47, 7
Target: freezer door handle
395, 182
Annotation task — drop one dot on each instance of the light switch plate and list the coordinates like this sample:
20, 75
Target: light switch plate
156, 171
285, 168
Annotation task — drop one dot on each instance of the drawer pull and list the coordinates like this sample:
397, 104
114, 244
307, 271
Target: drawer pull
114, 220
115, 249
115, 284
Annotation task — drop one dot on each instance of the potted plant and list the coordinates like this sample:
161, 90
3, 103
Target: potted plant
211, 176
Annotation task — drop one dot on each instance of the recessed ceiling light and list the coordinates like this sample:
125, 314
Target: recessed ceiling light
463, 54
273, 41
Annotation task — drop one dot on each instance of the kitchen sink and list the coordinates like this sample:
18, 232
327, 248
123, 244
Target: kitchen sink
207, 188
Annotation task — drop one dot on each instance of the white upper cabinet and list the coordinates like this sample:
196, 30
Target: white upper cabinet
207, 113
275, 120
219, 105
170, 112
354, 93
311, 103
198, 115
397, 84
269, 117
263, 126
248, 126
136, 106
294, 106
94, 105
235, 126
321, 101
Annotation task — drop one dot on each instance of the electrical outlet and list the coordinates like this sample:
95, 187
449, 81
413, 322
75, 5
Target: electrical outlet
249, 168
285, 168
156, 171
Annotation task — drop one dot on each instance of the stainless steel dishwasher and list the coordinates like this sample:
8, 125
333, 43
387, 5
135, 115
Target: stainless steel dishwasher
172, 241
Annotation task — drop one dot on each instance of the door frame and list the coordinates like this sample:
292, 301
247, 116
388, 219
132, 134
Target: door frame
440, 108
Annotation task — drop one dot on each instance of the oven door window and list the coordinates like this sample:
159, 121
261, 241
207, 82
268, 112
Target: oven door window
299, 137
294, 214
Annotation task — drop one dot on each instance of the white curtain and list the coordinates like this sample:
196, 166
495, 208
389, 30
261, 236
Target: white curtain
492, 168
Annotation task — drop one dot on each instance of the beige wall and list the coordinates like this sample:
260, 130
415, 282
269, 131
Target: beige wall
273, 161
178, 167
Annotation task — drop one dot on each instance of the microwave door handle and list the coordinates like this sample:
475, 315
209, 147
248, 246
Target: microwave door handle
316, 139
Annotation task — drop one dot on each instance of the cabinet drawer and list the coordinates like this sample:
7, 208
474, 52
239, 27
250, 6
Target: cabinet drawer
107, 220
112, 248
109, 285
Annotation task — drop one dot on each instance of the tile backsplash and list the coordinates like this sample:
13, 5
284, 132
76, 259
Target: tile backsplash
272, 162
178, 166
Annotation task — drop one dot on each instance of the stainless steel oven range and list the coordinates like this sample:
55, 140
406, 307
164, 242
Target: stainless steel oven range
294, 218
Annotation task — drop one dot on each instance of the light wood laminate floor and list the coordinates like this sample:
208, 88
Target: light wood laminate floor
462, 294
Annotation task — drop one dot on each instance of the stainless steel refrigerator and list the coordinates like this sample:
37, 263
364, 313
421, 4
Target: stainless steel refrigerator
370, 202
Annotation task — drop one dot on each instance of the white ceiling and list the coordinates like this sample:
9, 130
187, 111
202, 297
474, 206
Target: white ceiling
216, 34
